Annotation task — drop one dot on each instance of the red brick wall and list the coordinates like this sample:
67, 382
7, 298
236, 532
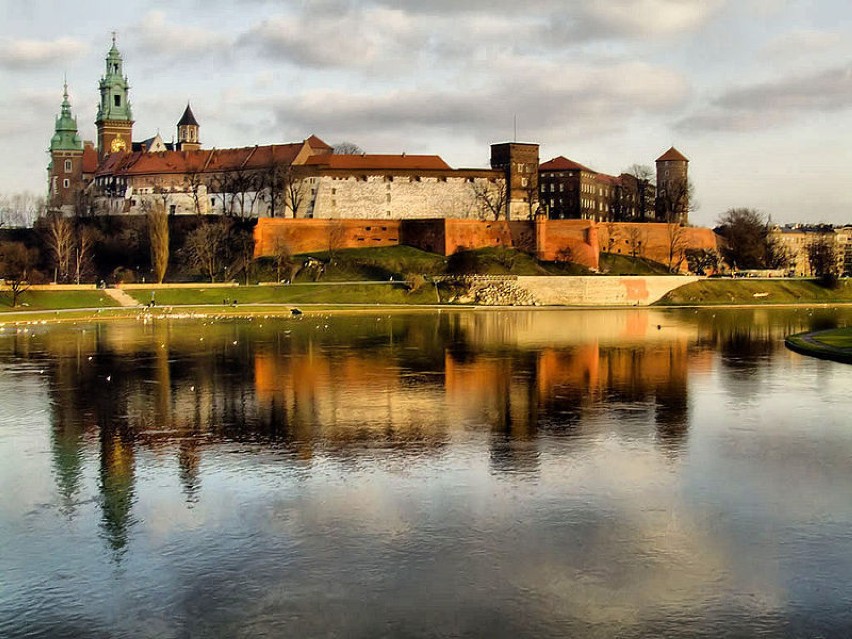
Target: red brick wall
304, 236
575, 238
579, 240
475, 234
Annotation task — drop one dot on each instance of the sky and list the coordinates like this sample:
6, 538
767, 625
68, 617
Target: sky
756, 93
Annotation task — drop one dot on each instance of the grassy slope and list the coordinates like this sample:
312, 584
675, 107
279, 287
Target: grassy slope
295, 294
744, 291
615, 264
50, 300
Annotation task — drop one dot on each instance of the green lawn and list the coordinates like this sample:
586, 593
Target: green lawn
834, 344
293, 294
616, 264
51, 300
746, 291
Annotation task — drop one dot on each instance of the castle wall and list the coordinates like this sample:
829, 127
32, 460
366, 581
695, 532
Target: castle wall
304, 236
659, 242
373, 197
476, 234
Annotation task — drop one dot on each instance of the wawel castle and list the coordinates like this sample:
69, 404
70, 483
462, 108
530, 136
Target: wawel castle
121, 175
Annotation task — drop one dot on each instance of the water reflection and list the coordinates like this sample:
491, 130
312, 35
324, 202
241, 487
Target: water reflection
343, 383
582, 419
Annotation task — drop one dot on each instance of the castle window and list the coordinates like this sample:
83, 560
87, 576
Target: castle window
172, 209
68, 166
66, 183
117, 100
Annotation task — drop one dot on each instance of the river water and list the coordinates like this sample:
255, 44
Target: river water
537, 473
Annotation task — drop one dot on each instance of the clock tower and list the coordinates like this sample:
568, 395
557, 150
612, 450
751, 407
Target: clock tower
115, 120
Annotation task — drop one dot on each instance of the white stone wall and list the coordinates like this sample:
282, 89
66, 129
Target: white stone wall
401, 197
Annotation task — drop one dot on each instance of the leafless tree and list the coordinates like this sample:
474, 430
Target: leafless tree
645, 189
220, 185
158, 237
295, 189
676, 245
245, 189
84, 246
193, 181
281, 256
20, 209
636, 241
16, 261
489, 198
822, 255
58, 237
336, 238
675, 202
206, 248
347, 148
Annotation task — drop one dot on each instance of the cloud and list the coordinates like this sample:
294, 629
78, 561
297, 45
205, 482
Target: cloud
583, 100
156, 35
637, 18
769, 104
348, 38
19, 55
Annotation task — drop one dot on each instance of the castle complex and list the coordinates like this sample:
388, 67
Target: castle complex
307, 181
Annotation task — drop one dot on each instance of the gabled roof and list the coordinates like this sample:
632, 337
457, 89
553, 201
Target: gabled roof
672, 155
379, 162
562, 163
206, 161
318, 145
187, 119
90, 159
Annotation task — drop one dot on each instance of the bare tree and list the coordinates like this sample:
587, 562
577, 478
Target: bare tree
336, 238
676, 245
158, 237
636, 241
295, 189
193, 181
16, 261
58, 237
749, 242
822, 256
206, 248
20, 209
84, 246
675, 202
220, 185
245, 190
282, 258
645, 189
489, 198
347, 148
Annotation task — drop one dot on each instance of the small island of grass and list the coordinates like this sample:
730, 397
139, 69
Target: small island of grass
834, 344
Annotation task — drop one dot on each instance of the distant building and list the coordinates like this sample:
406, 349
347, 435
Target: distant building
796, 238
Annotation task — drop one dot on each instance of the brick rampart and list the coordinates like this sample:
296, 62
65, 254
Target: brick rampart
579, 241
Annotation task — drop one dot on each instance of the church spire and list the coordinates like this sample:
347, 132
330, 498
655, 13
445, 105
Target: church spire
115, 118
65, 136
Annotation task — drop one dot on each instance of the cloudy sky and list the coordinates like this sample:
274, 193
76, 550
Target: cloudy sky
757, 93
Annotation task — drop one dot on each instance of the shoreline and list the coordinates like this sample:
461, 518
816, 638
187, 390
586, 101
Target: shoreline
249, 310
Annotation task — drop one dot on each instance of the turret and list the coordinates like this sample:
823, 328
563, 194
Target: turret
187, 127
114, 119
673, 189
65, 172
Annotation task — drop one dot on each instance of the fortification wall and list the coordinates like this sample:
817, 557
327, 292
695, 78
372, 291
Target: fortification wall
663, 243
476, 234
568, 240
304, 236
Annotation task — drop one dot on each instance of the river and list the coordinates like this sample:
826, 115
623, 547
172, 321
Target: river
530, 473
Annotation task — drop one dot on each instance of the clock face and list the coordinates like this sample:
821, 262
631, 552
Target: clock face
118, 144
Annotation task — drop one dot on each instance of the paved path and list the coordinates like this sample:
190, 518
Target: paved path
121, 297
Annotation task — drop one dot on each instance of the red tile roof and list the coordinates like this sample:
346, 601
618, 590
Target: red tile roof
672, 155
315, 143
206, 160
562, 163
379, 162
90, 159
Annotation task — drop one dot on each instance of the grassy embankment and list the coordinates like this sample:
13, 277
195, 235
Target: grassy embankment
728, 292
834, 344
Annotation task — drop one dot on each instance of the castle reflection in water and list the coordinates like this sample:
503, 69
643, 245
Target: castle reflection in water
341, 386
